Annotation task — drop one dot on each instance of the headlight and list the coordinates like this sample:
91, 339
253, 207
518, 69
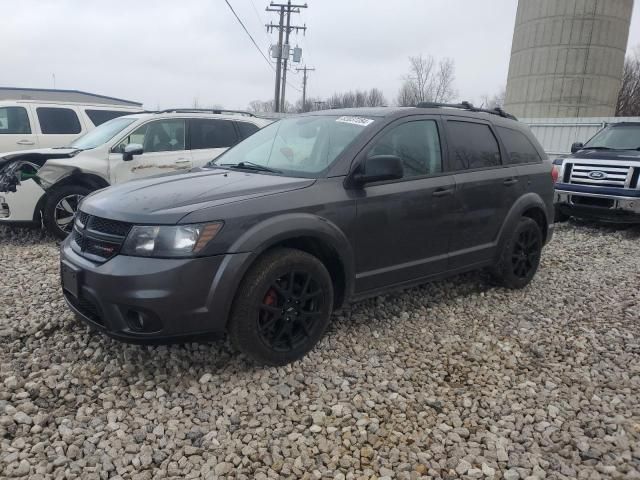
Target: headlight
170, 241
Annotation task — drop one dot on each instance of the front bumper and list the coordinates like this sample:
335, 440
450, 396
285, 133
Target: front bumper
136, 299
21, 206
599, 206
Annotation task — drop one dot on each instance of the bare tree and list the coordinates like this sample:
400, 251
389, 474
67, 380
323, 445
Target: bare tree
261, 106
495, 100
375, 98
357, 98
628, 104
427, 81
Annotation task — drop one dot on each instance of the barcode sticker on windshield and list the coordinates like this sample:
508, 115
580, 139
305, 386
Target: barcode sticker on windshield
363, 122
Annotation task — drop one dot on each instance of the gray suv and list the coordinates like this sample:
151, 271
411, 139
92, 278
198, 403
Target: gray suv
307, 214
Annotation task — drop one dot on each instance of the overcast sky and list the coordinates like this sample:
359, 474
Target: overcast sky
166, 53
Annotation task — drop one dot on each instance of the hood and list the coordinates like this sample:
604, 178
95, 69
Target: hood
606, 155
38, 155
167, 198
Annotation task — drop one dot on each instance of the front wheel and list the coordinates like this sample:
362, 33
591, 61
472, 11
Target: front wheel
521, 255
282, 308
60, 209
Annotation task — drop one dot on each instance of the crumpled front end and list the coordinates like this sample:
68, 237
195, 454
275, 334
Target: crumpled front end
14, 173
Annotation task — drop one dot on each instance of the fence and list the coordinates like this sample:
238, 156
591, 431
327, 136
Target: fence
558, 134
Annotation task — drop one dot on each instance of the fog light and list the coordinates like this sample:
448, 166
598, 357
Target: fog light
143, 321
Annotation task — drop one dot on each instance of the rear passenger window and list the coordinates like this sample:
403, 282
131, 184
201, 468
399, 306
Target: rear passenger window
416, 143
212, 134
246, 129
14, 120
98, 117
473, 145
520, 148
58, 121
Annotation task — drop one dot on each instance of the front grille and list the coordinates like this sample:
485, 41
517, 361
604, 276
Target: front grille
81, 219
96, 238
601, 174
110, 227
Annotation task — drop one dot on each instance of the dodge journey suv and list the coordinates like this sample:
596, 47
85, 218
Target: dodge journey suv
305, 215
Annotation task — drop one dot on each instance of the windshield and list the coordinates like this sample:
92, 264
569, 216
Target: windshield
620, 137
301, 146
102, 134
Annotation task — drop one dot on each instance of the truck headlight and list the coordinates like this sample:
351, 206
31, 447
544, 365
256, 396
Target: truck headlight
168, 240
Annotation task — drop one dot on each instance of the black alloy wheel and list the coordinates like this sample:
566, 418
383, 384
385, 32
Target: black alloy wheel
288, 311
520, 255
282, 307
526, 253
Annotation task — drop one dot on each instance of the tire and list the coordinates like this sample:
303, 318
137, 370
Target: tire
61, 206
520, 257
560, 217
268, 322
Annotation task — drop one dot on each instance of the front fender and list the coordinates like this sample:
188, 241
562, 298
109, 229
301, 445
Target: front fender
277, 230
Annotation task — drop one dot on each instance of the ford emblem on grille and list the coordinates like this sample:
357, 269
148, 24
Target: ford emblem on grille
597, 175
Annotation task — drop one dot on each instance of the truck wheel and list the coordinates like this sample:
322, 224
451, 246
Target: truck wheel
521, 255
560, 217
282, 307
60, 209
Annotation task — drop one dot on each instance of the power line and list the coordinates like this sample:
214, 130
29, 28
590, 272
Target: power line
247, 32
260, 21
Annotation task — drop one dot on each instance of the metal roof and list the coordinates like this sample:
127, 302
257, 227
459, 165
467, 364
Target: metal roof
58, 95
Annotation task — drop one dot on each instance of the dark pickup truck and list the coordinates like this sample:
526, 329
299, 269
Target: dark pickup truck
600, 180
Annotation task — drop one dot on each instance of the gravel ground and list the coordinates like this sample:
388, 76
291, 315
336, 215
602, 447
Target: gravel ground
453, 379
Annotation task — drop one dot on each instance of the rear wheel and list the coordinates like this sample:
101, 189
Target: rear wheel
521, 255
60, 209
282, 308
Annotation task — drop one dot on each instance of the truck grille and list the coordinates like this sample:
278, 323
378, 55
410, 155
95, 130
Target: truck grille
98, 239
601, 174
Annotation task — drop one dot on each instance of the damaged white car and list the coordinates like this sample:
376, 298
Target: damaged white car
44, 186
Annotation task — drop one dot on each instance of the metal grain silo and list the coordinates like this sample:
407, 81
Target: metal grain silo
567, 57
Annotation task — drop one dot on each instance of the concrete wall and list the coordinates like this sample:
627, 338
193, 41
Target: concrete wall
567, 57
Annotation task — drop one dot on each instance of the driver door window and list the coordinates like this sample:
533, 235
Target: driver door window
159, 136
416, 143
163, 143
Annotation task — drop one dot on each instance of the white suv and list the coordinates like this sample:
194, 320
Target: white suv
44, 186
28, 124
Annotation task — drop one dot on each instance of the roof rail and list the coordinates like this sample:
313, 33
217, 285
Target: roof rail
217, 111
467, 106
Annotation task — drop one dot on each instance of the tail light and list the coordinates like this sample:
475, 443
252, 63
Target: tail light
556, 169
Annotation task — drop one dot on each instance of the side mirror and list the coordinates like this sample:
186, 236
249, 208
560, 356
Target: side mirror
377, 169
131, 150
576, 147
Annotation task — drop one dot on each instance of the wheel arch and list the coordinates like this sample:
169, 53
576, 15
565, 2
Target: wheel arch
88, 180
310, 233
529, 205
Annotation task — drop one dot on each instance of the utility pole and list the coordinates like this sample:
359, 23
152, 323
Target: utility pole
305, 69
282, 50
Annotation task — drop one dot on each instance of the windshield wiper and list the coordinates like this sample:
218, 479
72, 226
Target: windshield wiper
598, 148
248, 166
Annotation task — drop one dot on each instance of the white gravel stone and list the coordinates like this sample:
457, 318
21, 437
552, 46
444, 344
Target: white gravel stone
538, 383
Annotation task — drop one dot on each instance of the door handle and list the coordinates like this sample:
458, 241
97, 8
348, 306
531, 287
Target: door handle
442, 192
182, 160
510, 181
25, 142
